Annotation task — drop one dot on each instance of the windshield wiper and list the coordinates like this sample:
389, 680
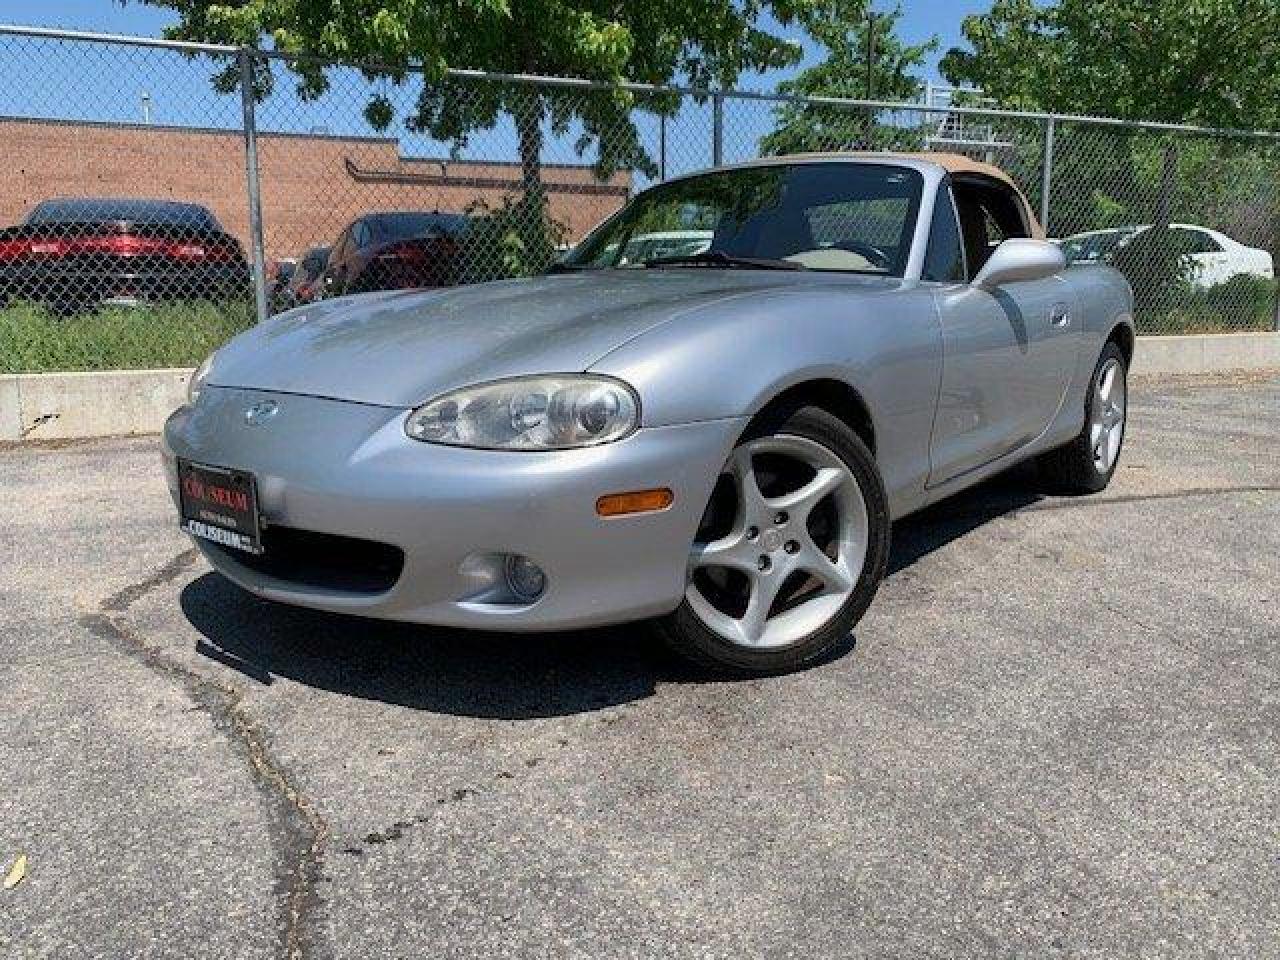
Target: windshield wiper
717, 258
559, 267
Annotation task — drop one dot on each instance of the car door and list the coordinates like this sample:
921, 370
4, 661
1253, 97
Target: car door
1008, 355
1211, 263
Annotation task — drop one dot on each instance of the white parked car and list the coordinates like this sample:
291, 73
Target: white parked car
1215, 258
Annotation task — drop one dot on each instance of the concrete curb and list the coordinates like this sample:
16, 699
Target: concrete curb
60, 406
1208, 353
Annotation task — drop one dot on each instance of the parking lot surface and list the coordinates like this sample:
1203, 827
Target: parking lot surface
1055, 734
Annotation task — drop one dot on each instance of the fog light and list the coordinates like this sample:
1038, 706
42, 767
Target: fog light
524, 577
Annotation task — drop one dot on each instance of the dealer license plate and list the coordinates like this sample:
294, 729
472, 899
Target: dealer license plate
221, 505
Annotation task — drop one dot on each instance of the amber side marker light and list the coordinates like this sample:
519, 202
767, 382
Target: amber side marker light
636, 501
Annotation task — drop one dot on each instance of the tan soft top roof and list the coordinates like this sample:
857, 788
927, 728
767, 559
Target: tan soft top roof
951, 162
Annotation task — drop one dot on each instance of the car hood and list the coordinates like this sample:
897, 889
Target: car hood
402, 348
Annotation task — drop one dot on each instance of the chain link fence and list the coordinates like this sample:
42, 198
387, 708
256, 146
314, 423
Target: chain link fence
168, 195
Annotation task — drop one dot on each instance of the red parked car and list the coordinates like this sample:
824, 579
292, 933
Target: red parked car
71, 255
303, 283
391, 251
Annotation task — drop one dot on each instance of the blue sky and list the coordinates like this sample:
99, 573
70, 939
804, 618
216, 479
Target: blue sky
921, 19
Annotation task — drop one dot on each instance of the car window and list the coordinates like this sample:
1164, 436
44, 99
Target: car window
98, 209
944, 258
311, 266
990, 213
315, 261
388, 227
362, 235
1194, 241
876, 221
995, 233
841, 216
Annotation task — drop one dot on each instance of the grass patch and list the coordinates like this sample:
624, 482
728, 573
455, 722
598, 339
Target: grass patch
1199, 319
32, 340
1242, 304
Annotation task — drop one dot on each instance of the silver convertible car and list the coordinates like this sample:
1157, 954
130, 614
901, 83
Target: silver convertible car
716, 440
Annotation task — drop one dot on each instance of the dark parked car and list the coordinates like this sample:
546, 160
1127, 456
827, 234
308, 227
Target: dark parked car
303, 285
74, 254
392, 251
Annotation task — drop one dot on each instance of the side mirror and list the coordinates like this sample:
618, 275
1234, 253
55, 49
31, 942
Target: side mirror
1019, 260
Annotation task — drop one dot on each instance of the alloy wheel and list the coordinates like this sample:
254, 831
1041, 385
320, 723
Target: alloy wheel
1106, 428
782, 546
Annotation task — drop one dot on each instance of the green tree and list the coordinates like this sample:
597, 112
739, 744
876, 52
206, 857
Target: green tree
842, 29
1205, 62
703, 42
1209, 62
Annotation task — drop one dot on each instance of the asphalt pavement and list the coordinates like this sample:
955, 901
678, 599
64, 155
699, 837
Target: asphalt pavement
1054, 735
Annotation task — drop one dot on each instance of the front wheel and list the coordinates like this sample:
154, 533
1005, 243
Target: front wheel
1087, 463
790, 550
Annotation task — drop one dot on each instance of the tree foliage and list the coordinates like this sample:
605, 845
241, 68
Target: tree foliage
702, 42
1209, 62
842, 29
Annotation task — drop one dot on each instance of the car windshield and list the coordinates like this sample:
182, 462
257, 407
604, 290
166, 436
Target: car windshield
832, 215
91, 210
406, 226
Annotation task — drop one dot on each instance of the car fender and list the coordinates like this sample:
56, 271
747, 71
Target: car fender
1105, 304
730, 360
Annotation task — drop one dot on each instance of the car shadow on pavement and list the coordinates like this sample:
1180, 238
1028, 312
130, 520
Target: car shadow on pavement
495, 675
922, 533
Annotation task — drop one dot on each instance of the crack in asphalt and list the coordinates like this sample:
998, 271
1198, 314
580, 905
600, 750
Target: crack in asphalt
297, 829
398, 829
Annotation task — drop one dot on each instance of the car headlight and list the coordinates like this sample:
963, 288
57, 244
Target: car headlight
198, 378
529, 413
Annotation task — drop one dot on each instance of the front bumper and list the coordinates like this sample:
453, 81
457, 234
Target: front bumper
347, 469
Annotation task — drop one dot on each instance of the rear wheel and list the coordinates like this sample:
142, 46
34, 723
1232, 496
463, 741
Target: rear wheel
790, 550
1087, 463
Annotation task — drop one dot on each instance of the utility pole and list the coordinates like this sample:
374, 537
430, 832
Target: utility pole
872, 17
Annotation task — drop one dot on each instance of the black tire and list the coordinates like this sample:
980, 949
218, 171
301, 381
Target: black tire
1071, 467
686, 633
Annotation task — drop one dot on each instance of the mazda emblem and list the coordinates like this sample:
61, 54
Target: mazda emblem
261, 412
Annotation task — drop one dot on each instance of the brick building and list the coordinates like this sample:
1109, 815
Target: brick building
312, 184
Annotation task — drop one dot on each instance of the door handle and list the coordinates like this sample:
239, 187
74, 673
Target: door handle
1060, 315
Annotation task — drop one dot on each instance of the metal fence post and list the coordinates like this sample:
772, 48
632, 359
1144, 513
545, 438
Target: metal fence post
717, 128
1046, 174
662, 146
251, 178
